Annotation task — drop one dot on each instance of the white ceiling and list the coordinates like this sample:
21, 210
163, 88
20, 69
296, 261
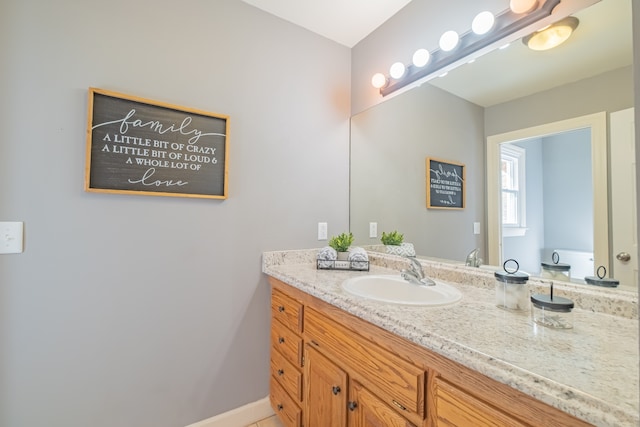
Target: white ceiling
602, 42
344, 21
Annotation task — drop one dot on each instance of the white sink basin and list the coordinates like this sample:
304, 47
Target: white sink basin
395, 290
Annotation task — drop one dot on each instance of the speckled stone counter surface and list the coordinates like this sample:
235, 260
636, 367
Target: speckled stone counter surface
590, 371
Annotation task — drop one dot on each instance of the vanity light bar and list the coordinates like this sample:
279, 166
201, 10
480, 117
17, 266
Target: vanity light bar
506, 23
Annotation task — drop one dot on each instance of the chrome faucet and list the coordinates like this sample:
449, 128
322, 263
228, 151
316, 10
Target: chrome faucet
473, 260
415, 275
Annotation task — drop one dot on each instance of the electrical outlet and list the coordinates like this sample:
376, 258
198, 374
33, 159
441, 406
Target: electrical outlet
373, 229
11, 237
322, 231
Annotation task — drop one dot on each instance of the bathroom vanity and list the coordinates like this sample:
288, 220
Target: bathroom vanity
342, 360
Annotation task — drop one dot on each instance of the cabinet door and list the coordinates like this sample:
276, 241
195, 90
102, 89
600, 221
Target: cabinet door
456, 408
367, 410
325, 394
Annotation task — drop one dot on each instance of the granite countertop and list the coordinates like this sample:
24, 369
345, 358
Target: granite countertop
590, 371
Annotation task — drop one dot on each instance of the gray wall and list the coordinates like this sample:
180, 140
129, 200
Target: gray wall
568, 191
389, 146
607, 92
152, 311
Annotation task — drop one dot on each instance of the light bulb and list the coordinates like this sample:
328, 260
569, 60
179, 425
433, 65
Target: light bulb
397, 70
378, 80
421, 57
483, 22
522, 6
449, 41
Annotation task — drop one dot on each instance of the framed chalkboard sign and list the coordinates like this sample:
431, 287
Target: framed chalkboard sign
445, 184
138, 146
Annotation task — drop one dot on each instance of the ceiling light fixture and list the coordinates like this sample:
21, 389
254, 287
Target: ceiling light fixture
421, 57
379, 80
449, 40
522, 6
552, 35
483, 23
487, 30
397, 70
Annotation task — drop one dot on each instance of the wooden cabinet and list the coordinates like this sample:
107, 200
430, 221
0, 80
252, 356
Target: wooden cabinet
286, 384
394, 380
367, 410
456, 408
332, 369
329, 402
325, 391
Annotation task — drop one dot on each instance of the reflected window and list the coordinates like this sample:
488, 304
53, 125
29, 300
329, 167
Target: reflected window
512, 167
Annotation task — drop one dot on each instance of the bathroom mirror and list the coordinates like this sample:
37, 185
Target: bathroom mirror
391, 140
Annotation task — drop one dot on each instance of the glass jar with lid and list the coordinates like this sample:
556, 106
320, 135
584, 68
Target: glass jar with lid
512, 292
552, 311
556, 270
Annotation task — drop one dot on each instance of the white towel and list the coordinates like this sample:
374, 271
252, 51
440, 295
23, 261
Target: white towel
326, 257
359, 258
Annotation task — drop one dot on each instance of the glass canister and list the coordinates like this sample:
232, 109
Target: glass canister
552, 311
556, 270
512, 292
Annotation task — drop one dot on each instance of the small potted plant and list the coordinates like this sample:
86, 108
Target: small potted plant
341, 244
394, 244
392, 238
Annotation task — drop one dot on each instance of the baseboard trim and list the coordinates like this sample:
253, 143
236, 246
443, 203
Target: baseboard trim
239, 417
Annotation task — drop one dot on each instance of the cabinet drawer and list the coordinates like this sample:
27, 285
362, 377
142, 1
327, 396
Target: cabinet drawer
286, 342
287, 375
287, 310
288, 412
379, 370
456, 408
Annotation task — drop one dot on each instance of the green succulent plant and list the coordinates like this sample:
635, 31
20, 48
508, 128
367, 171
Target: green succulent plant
392, 238
341, 242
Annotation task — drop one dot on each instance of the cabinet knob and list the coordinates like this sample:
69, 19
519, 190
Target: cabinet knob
352, 406
281, 340
336, 389
281, 308
280, 407
280, 372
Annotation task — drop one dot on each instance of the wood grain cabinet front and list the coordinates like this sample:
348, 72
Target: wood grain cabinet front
367, 410
396, 381
457, 408
286, 388
355, 374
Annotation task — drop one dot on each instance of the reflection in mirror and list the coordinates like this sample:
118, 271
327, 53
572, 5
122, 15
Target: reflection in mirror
565, 195
547, 201
449, 118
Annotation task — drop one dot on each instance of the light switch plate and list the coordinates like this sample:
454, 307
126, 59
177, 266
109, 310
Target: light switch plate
476, 228
11, 240
322, 231
373, 230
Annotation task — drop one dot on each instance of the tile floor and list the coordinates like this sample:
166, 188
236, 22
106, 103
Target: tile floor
272, 421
